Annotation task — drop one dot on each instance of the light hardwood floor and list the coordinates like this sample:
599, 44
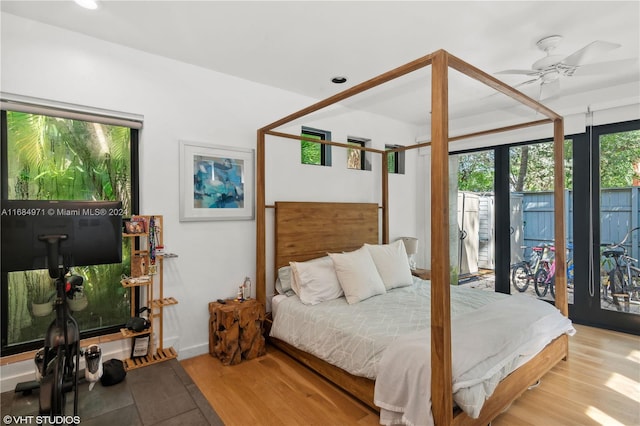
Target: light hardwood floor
598, 385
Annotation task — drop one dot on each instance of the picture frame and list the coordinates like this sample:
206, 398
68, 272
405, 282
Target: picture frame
216, 182
133, 227
140, 346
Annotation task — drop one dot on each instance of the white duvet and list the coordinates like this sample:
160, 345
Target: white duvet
356, 337
487, 345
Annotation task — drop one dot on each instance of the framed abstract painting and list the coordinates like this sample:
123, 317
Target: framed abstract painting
216, 182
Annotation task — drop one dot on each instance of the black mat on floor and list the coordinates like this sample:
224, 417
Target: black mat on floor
160, 394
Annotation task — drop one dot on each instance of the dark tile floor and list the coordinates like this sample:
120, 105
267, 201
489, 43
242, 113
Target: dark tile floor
160, 394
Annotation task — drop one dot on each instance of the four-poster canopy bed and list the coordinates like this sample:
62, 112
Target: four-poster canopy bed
340, 227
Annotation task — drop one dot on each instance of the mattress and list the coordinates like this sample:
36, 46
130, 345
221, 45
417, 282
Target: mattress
387, 336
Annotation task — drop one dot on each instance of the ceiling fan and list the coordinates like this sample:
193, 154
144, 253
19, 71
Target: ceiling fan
549, 69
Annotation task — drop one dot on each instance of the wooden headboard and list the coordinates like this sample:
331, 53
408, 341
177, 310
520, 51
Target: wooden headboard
306, 230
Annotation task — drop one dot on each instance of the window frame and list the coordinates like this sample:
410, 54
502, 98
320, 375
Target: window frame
4, 191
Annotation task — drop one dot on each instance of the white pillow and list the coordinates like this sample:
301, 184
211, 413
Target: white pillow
358, 275
315, 281
284, 282
392, 263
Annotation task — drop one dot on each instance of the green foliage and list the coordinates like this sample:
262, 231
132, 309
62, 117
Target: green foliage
532, 166
619, 154
311, 152
59, 159
476, 171
391, 162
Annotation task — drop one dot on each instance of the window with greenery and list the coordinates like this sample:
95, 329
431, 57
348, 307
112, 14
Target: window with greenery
395, 159
315, 153
531, 168
53, 158
620, 159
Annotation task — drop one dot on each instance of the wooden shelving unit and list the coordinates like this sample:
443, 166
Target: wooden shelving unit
148, 276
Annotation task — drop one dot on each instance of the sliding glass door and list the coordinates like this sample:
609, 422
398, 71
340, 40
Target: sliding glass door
618, 273
531, 200
602, 205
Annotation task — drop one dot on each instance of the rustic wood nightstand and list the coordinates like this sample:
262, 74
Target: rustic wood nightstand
235, 330
424, 274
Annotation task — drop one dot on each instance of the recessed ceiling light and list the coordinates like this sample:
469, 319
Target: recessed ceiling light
88, 4
339, 80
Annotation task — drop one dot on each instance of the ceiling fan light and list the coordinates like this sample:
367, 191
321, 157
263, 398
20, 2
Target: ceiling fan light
550, 77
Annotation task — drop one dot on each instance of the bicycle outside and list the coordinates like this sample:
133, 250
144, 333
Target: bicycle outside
524, 272
545, 276
623, 274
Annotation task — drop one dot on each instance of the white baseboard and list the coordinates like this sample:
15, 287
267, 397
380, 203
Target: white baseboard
193, 351
24, 371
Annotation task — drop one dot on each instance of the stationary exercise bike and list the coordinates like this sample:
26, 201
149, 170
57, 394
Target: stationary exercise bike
57, 235
57, 362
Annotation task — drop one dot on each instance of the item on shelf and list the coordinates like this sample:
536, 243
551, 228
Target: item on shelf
140, 346
142, 221
131, 227
152, 240
138, 266
138, 324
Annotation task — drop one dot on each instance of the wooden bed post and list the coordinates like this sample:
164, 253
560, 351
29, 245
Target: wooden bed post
385, 198
441, 387
559, 216
261, 263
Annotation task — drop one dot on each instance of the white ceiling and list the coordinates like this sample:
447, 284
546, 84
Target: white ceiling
298, 46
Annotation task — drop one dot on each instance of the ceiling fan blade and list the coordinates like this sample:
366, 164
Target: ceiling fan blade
605, 67
525, 72
589, 53
524, 83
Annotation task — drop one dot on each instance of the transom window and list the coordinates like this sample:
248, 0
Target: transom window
315, 153
357, 159
395, 159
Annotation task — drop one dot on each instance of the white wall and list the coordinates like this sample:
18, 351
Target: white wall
184, 102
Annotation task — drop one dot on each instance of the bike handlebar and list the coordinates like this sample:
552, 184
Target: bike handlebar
624, 240
73, 284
